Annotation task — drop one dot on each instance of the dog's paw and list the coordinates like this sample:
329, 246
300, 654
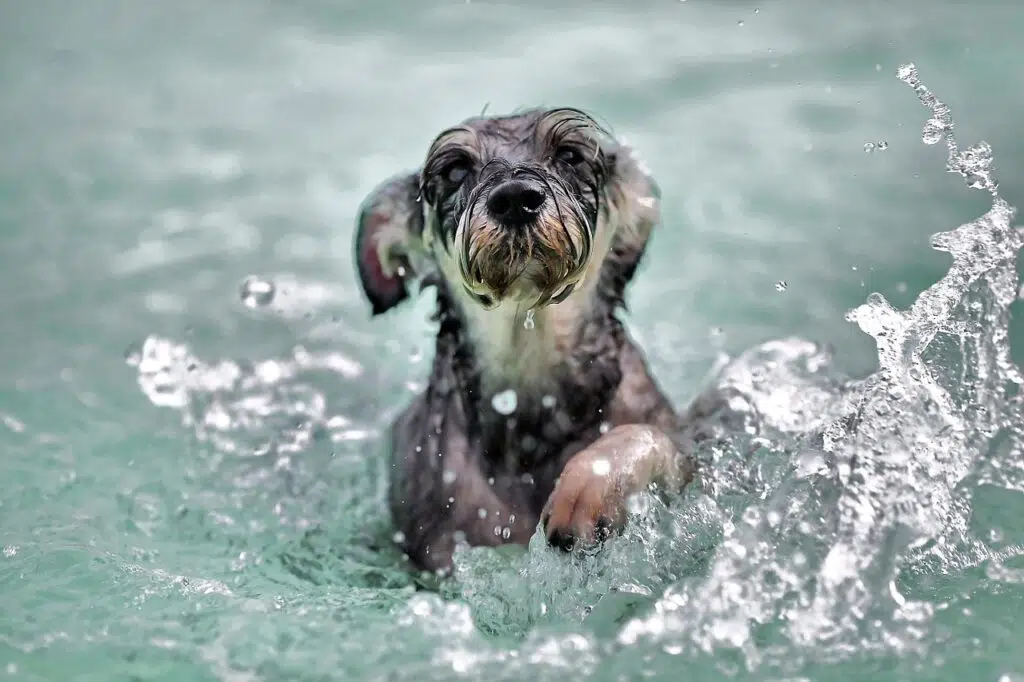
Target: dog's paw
589, 499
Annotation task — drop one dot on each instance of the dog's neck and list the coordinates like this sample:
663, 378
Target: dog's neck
563, 373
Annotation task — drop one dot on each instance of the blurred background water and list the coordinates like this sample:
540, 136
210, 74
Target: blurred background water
192, 486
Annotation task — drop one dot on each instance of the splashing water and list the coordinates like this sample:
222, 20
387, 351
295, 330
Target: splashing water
813, 522
808, 537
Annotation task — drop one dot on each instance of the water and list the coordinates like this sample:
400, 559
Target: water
195, 472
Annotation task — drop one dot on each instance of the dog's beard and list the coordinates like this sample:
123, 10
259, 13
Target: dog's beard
535, 265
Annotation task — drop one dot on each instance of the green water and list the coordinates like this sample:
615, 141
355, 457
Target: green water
152, 155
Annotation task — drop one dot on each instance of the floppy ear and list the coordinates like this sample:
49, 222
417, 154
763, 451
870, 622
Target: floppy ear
633, 192
635, 206
388, 231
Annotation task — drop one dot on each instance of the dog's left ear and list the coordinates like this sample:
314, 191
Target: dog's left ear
633, 191
389, 231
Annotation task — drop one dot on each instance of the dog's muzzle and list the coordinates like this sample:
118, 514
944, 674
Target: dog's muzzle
523, 238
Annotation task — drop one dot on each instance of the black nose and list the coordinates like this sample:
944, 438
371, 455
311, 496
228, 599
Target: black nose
516, 202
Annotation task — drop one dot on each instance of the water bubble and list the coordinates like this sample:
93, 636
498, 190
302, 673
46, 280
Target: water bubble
505, 402
10, 550
881, 145
878, 67
605, 427
481, 513
739, 23
781, 285
449, 476
506, 533
415, 355
398, 537
995, 535
548, 401
529, 323
256, 292
869, 147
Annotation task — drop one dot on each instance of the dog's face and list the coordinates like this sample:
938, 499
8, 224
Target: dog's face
509, 208
514, 201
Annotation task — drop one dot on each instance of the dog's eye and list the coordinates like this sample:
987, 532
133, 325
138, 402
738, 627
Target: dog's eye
569, 156
455, 173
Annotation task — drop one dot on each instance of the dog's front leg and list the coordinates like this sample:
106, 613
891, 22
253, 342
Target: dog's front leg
589, 499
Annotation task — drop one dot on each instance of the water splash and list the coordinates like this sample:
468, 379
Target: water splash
247, 408
815, 515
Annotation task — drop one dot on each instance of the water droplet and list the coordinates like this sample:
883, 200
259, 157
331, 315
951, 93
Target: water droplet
449, 476
549, 401
481, 513
605, 427
907, 73
781, 285
505, 402
256, 292
529, 323
398, 537
932, 131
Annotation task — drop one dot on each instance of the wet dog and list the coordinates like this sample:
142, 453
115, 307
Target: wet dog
540, 407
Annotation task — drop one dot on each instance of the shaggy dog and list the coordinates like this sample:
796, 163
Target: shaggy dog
540, 408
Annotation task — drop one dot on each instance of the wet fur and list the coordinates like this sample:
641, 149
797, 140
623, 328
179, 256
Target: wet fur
459, 466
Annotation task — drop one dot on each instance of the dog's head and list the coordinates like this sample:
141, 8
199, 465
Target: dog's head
519, 207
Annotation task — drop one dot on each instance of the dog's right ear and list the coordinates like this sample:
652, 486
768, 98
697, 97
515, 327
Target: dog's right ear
389, 232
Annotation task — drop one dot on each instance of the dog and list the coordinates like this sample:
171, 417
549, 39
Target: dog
540, 407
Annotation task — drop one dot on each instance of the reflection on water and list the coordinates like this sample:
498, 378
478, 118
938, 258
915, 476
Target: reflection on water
814, 534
